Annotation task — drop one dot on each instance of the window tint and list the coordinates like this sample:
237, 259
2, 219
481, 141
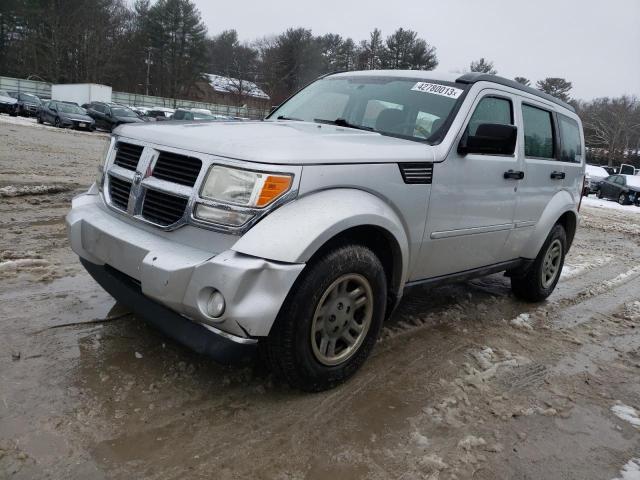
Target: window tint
538, 132
570, 139
98, 108
620, 180
491, 110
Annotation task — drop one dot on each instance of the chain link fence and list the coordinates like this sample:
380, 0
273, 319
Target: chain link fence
43, 90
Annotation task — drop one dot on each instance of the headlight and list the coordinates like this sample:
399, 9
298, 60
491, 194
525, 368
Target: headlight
243, 187
240, 194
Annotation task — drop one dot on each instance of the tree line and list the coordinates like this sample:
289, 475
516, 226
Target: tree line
162, 48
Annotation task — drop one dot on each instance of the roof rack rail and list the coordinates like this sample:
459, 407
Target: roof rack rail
473, 77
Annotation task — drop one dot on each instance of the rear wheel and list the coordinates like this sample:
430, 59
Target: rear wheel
330, 320
622, 199
56, 122
599, 194
541, 278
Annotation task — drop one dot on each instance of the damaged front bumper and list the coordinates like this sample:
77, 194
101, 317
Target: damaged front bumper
178, 275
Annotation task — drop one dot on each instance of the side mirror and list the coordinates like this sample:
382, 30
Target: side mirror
490, 139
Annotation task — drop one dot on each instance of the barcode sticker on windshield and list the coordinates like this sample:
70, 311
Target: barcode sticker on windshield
436, 89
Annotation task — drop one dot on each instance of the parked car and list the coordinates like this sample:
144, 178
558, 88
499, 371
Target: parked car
594, 175
196, 114
610, 170
65, 114
626, 169
108, 116
301, 232
8, 103
27, 105
160, 113
623, 188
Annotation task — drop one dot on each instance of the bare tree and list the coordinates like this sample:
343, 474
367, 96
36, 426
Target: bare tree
523, 81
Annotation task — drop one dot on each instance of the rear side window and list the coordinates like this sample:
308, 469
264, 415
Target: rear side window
491, 110
620, 180
538, 132
570, 139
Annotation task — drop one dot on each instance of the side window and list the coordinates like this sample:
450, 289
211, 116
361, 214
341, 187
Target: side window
178, 115
98, 108
570, 139
620, 180
491, 110
538, 132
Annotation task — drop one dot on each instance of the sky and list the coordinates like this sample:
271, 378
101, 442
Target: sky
595, 44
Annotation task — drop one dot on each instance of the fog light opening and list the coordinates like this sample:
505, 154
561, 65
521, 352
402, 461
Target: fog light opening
215, 304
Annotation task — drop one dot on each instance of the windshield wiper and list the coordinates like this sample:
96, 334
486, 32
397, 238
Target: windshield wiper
341, 122
284, 117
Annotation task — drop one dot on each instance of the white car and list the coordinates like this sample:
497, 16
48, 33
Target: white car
300, 233
594, 175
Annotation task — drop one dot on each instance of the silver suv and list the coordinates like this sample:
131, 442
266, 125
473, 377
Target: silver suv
299, 234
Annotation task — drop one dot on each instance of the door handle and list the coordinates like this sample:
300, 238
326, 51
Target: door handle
557, 175
513, 175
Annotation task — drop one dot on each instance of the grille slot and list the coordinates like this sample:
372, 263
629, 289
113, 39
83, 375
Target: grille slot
128, 155
177, 168
163, 208
416, 173
119, 192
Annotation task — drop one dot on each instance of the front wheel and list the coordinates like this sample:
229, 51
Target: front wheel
57, 122
599, 194
541, 278
330, 320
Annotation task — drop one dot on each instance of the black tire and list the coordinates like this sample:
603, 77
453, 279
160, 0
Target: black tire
40, 120
599, 194
288, 348
623, 199
56, 122
530, 286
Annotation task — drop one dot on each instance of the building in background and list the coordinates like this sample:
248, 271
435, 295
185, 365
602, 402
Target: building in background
230, 91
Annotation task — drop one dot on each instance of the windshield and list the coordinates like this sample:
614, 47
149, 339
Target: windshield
30, 98
597, 171
4, 94
123, 112
68, 108
400, 107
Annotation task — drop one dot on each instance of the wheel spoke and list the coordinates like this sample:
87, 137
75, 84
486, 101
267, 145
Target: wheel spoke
355, 293
319, 326
331, 348
347, 337
361, 301
324, 342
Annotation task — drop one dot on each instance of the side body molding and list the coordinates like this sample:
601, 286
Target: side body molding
294, 232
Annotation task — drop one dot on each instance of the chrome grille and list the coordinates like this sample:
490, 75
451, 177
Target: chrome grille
416, 173
128, 155
119, 192
163, 208
177, 168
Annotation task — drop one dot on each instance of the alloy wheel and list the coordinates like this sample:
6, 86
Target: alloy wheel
551, 263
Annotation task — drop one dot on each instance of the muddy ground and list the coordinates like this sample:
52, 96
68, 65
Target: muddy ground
466, 382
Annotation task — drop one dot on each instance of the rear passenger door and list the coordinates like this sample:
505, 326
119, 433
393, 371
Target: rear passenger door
571, 155
543, 173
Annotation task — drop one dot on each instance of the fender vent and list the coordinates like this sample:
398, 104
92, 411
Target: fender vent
416, 173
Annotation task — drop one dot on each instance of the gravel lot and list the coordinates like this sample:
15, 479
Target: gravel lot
466, 382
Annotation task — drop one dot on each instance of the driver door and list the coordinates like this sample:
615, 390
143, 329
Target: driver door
472, 205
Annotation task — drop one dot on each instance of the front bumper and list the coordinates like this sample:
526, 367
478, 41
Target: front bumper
175, 270
203, 340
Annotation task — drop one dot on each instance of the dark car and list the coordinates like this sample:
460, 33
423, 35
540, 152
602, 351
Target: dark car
27, 104
184, 114
63, 114
8, 104
623, 188
109, 115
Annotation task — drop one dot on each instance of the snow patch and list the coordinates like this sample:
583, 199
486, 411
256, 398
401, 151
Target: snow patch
632, 310
14, 265
233, 85
626, 413
419, 439
523, 321
609, 205
583, 263
630, 471
20, 191
470, 441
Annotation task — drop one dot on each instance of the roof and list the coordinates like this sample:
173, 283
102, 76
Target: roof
224, 84
467, 78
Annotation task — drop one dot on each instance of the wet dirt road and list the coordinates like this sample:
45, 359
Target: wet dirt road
466, 382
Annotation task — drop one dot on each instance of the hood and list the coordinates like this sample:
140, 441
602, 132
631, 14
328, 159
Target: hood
10, 100
282, 142
78, 117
